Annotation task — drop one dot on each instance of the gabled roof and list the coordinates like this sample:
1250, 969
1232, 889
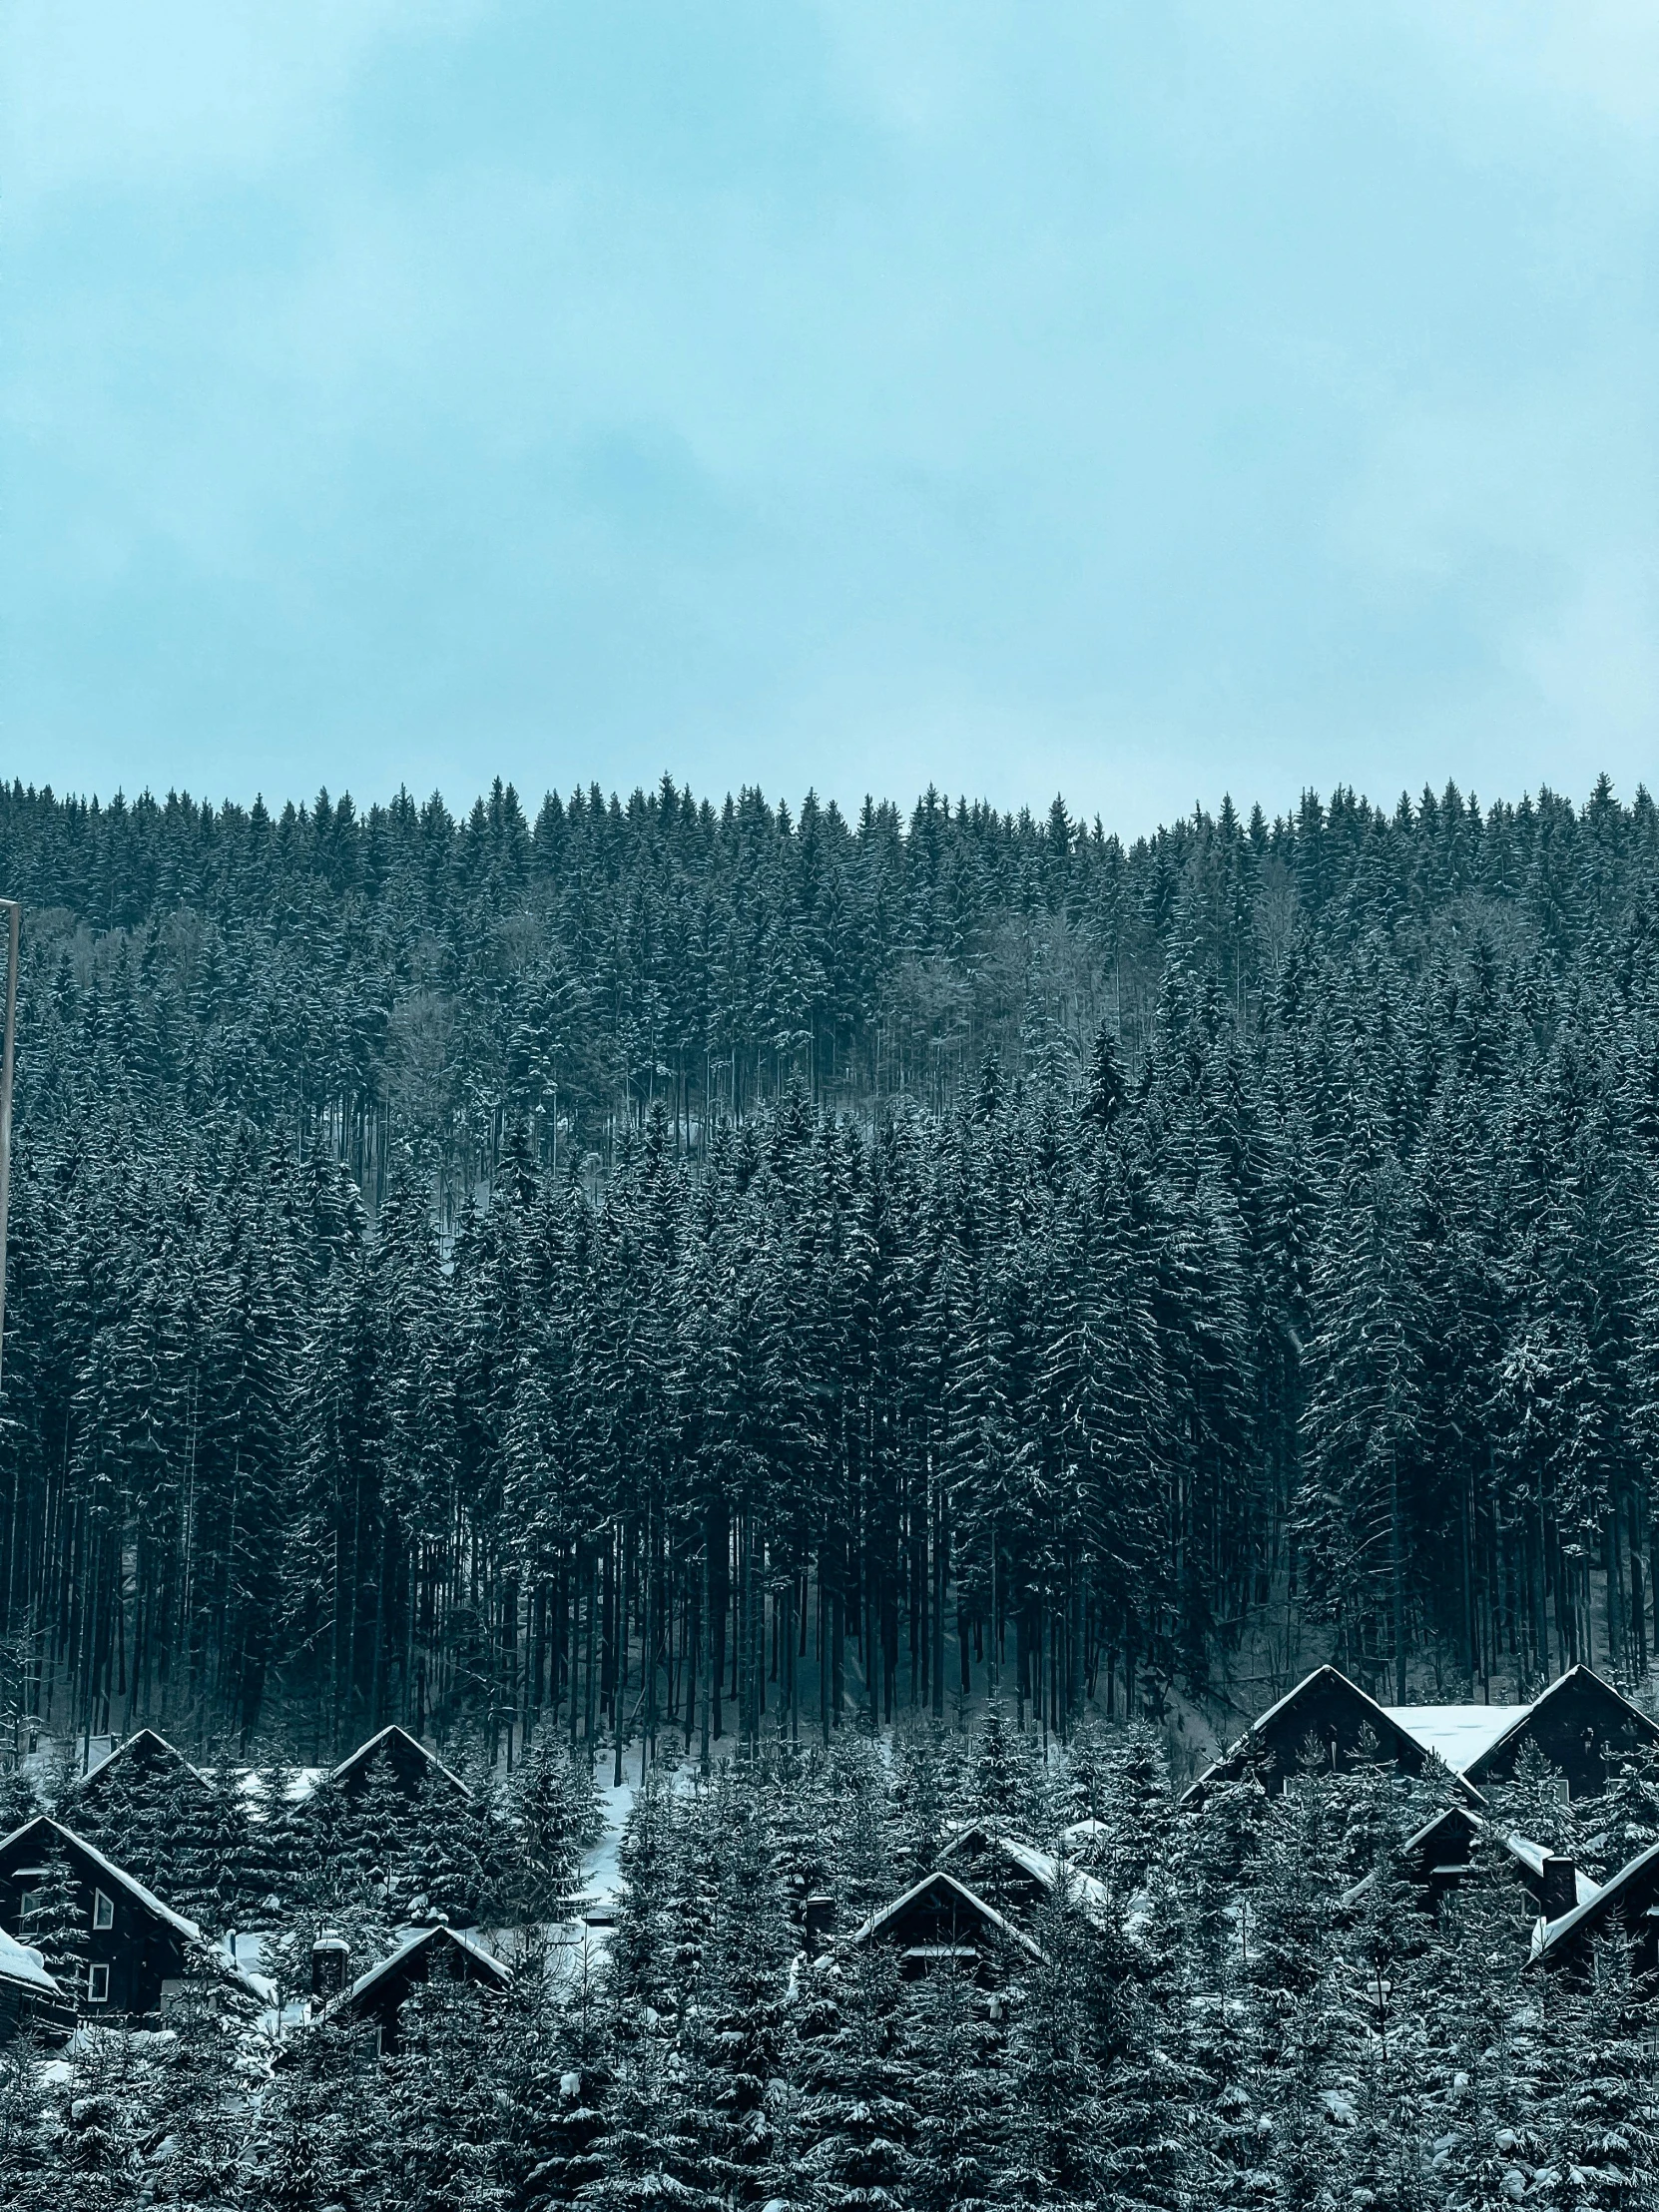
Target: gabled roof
1042, 1866
1459, 1734
145, 1743
414, 1940
959, 1896
22, 1968
1451, 1818
1591, 1913
1576, 1677
385, 1741
1387, 1729
118, 1875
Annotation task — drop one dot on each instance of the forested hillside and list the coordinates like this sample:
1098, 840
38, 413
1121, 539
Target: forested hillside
665, 1267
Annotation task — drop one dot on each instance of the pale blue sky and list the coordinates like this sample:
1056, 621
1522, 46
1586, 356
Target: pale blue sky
1140, 400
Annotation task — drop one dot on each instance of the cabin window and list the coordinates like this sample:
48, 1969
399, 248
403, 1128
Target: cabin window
98, 1985
103, 1910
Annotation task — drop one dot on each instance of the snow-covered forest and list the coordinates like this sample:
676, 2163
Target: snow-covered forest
1246, 2005
789, 1338
674, 1269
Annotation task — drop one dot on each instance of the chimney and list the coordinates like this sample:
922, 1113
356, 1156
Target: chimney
330, 1956
821, 1922
1559, 1893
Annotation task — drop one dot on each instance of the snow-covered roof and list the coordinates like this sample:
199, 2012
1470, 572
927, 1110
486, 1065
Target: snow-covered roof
118, 1874
1548, 1936
1530, 1854
22, 1966
142, 1738
959, 1890
365, 1752
1042, 1866
1084, 1832
1459, 1734
409, 1941
1533, 1855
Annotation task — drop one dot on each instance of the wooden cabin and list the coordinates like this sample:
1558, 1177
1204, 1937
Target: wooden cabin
941, 1920
1581, 1725
30, 2001
143, 1757
136, 1947
1436, 1859
424, 1954
414, 1767
1018, 1877
1324, 1716
1626, 1908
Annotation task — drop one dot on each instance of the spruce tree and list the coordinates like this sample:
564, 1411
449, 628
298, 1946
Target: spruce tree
56, 1923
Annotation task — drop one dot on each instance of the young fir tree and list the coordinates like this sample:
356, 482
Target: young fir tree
1473, 2065
1535, 1804
920, 1794
55, 1920
219, 1882
18, 1800
952, 2054
441, 1856
97, 2151
1216, 1855
140, 1816
640, 1964
199, 2095
312, 2147
692, 1895
376, 1831
857, 2110
1056, 2052
441, 2112
740, 2007
1624, 1821
1603, 2127
650, 2154
549, 1824
28, 2157
863, 1868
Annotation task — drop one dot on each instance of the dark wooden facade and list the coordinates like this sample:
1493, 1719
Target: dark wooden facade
1325, 1715
142, 1948
433, 1954
412, 1765
1581, 1725
941, 1921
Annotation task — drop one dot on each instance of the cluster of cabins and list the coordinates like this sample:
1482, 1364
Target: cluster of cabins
139, 1959
983, 1897
978, 1905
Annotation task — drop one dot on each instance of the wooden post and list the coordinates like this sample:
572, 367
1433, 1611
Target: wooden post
14, 911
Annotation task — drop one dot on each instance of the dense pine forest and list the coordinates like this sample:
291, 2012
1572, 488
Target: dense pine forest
668, 1277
